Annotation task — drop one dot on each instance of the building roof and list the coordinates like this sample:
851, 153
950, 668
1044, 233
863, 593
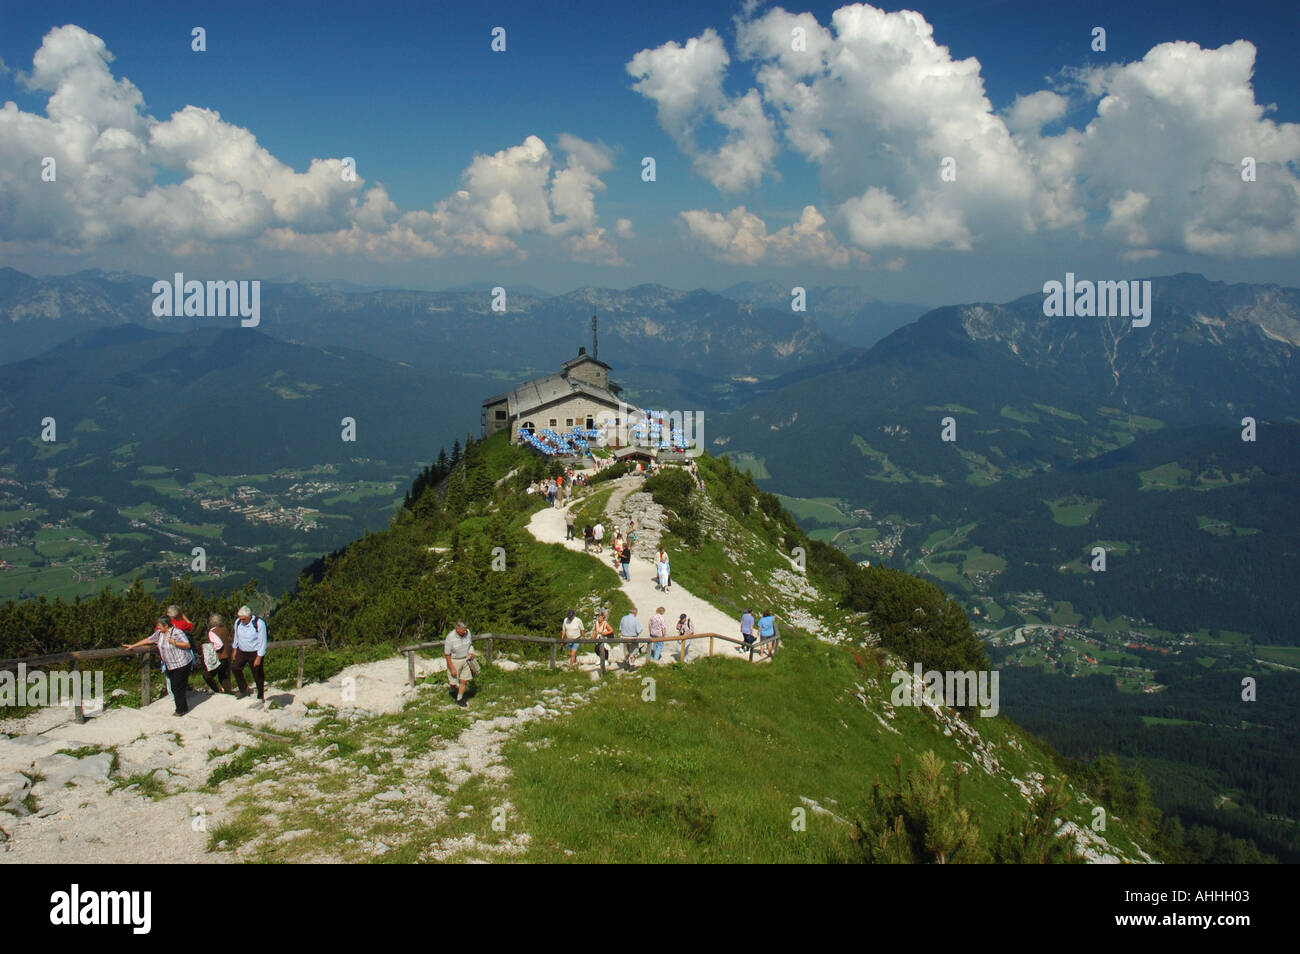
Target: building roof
540, 392
632, 450
583, 356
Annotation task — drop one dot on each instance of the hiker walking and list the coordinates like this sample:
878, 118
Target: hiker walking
182, 622
598, 534
658, 626
629, 627
625, 558
767, 629
746, 630
458, 649
586, 538
685, 628
667, 568
569, 520
206, 659
600, 630
662, 566
218, 631
571, 629
250, 649
174, 648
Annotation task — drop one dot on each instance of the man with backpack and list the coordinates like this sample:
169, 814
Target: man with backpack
250, 639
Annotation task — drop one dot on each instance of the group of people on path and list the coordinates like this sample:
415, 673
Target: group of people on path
593, 540
553, 489
629, 627
463, 666
221, 652
558, 490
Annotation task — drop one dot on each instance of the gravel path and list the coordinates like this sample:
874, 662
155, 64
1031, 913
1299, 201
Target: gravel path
77, 818
547, 526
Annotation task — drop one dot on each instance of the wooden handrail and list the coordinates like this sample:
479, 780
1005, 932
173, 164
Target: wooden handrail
112, 652
146, 667
555, 641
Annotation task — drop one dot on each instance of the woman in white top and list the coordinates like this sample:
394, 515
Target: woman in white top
571, 629
216, 655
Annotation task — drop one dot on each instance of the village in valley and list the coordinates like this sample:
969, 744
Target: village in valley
291, 515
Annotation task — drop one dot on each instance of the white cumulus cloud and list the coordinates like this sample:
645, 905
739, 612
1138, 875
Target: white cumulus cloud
741, 238
107, 151
1146, 156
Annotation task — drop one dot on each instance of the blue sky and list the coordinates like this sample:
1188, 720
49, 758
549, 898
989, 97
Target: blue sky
414, 93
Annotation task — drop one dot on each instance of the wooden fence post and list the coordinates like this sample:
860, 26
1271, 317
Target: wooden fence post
146, 670
302, 660
410, 666
710, 644
553, 646
79, 716
489, 650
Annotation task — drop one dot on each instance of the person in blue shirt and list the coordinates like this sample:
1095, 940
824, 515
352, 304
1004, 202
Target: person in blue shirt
766, 628
746, 630
249, 640
629, 627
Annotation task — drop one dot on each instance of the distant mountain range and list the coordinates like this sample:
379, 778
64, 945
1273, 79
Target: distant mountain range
844, 312
1027, 392
664, 344
220, 395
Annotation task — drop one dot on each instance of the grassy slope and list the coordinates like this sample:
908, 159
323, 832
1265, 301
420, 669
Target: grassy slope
713, 768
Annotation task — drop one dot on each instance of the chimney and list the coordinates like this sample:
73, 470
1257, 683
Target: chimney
581, 351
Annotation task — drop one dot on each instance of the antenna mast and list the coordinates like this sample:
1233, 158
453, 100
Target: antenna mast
594, 350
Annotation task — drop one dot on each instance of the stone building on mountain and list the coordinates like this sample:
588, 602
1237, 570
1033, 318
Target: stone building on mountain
580, 394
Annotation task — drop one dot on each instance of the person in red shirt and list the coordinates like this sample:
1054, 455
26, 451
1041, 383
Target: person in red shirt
183, 623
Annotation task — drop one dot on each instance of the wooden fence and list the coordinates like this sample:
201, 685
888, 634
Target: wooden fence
487, 640
147, 663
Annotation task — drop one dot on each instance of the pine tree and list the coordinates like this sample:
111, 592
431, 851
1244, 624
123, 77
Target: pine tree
1035, 840
920, 820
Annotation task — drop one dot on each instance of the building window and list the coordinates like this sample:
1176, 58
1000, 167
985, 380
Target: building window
552, 422
568, 422
501, 415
